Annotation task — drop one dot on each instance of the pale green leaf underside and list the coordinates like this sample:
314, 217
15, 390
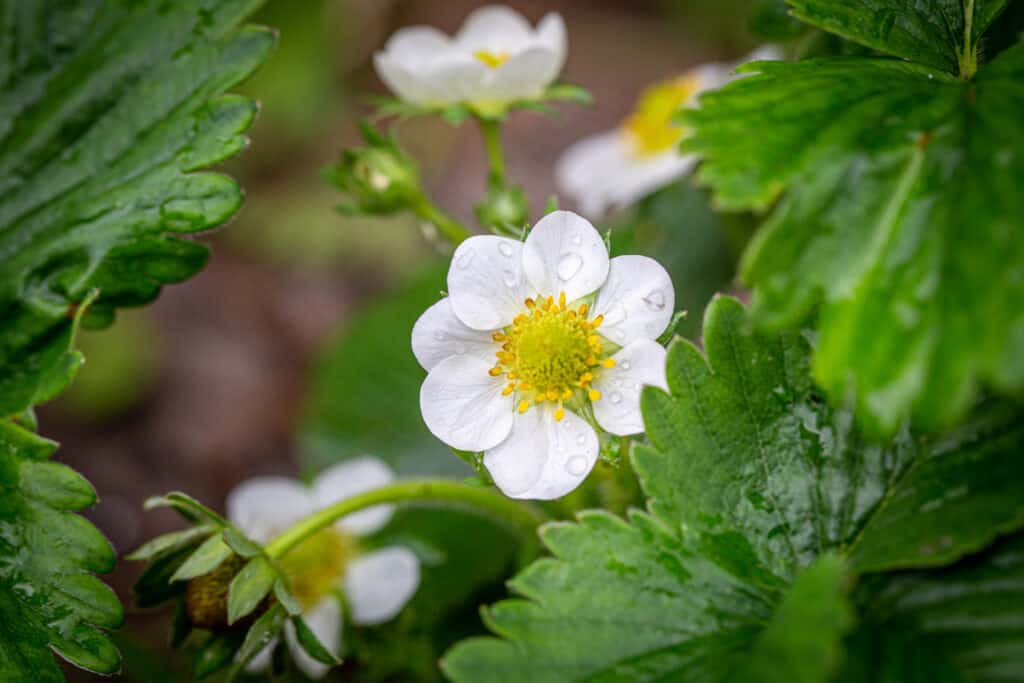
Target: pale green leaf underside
107, 110
902, 220
48, 595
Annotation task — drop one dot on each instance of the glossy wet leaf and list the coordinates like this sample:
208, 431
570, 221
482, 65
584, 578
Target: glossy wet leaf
899, 216
50, 600
249, 587
107, 112
207, 557
311, 644
931, 32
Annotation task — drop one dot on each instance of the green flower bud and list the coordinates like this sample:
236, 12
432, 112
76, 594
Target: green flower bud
504, 210
379, 178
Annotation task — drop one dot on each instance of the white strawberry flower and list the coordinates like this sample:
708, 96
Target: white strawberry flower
495, 58
329, 571
616, 168
536, 340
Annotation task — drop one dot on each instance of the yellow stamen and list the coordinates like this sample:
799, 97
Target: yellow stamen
509, 389
650, 127
524, 405
559, 414
594, 395
609, 363
492, 59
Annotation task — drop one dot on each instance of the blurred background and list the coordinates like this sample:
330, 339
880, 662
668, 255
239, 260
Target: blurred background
291, 349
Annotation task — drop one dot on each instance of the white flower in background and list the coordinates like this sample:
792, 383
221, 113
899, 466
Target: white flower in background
495, 58
618, 167
375, 584
534, 340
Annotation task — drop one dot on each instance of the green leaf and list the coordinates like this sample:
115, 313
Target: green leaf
311, 644
249, 588
104, 123
204, 560
902, 220
215, 654
972, 613
931, 32
49, 598
263, 631
161, 545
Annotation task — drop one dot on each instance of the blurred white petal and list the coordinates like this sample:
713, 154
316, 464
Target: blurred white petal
379, 584
349, 478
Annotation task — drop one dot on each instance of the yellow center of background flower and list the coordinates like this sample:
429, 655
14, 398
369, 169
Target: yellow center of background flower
315, 565
650, 127
550, 353
491, 59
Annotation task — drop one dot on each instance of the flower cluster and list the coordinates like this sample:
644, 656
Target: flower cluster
536, 341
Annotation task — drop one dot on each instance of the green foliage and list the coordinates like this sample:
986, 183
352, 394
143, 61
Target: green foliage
761, 495
899, 210
49, 598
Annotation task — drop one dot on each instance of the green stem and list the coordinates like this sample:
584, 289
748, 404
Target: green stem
519, 517
969, 54
452, 230
491, 130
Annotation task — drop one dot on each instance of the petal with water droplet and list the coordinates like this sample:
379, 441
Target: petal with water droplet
637, 300
638, 364
439, 334
564, 253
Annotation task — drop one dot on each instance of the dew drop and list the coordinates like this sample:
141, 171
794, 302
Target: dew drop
506, 249
655, 300
460, 348
625, 365
576, 466
615, 398
576, 239
509, 278
620, 335
581, 440
465, 258
569, 265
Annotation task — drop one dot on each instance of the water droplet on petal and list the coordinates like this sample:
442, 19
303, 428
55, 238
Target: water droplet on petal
569, 265
620, 335
576, 239
655, 300
509, 278
625, 365
506, 249
465, 258
615, 398
581, 440
576, 466
460, 348
440, 336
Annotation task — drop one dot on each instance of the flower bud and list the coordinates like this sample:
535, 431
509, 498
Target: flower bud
379, 178
504, 210
206, 597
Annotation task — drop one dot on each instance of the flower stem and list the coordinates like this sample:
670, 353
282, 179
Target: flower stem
491, 130
452, 230
521, 518
969, 53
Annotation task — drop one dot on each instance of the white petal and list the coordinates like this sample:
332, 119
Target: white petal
765, 53
414, 45
524, 75
637, 300
401, 80
564, 253
517, 463
265, 506
486, 284
640, 364
439, 334
453, 77
379, 584
462, 404
590, 170
551, 34
495, 28
567, 449
325, 621
349, 478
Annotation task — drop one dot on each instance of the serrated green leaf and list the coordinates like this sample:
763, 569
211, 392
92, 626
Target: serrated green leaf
931, 32
103, 125
972, 613
311, 644
249, 588
49, 598
902, 221
207, 557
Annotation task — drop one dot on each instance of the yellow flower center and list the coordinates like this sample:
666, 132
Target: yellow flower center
492, 59
315, 565
550, 353
650, 127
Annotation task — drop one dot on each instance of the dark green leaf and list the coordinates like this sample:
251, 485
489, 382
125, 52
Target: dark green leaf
49, 598
931, 32
107, 111
249, 588
154, 586
311, 644
204, 560
161, 545
215, 654
902, 220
